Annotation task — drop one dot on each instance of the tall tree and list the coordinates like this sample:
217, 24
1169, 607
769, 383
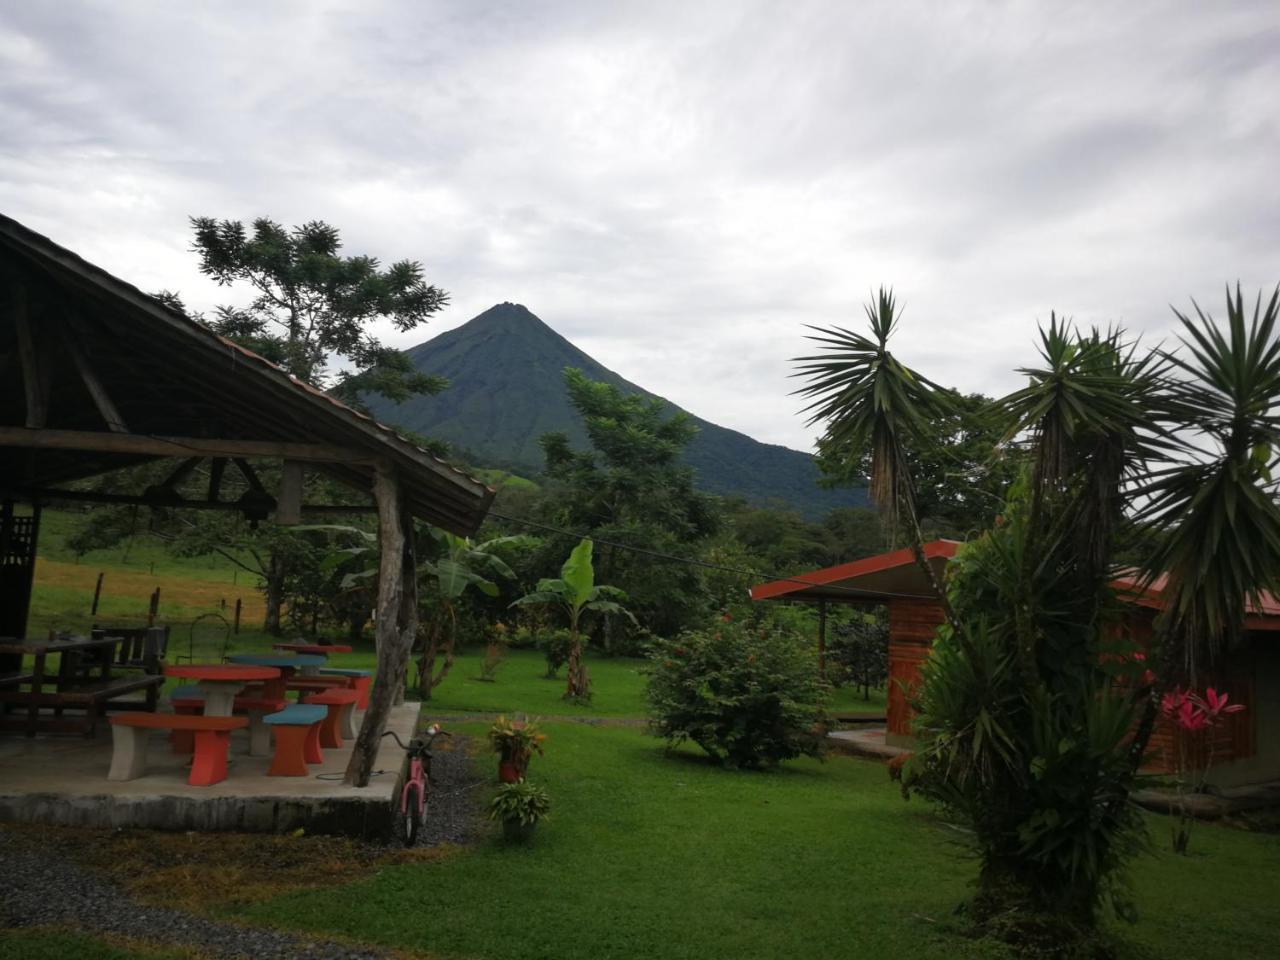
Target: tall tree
631, 488
311, 304
960, 475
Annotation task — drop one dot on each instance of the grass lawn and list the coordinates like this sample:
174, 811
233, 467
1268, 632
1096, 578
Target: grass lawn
51, 943
652, 855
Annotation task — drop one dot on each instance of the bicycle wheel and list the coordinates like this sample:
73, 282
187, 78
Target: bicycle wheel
411, 814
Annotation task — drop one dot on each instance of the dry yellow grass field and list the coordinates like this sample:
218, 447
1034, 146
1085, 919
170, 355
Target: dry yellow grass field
63, 596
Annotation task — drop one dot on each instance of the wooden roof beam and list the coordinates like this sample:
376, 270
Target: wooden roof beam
131, 443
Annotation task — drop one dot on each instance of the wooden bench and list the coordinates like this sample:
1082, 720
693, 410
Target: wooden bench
189, 701
337, 723
140, 648
297, 729
358, 680
95, 697
212, 742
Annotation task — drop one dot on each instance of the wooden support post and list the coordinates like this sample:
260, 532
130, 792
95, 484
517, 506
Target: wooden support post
289, 503
391, 652
822, 639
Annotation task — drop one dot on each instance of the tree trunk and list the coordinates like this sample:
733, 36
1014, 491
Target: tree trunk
408, 608
577, 686
393, 651
274, 579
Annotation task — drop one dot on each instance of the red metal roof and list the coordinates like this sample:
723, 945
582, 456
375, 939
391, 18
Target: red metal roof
835, 577
858, 582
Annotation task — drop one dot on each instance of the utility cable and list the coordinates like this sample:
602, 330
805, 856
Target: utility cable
708, 565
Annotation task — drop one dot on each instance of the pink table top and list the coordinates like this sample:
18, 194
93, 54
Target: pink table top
323, 649
225, 672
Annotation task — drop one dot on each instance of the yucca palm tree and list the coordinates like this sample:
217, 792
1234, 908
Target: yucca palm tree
1025, 734
871, 401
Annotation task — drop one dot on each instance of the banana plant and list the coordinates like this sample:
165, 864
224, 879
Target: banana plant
459, 565
577, 593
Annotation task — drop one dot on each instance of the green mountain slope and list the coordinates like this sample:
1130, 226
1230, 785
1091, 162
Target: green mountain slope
504, 369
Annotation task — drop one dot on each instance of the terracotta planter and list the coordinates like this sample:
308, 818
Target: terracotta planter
509, 772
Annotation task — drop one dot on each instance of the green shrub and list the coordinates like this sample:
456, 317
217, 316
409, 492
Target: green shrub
555, 644
748, 697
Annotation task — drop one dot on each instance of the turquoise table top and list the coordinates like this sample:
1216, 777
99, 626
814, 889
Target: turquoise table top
277, 659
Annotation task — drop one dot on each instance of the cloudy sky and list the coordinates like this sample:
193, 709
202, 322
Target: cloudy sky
679, 187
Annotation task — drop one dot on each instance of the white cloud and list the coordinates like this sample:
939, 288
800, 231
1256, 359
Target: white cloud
678, 187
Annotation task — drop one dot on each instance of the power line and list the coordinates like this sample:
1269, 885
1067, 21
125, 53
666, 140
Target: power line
707, 564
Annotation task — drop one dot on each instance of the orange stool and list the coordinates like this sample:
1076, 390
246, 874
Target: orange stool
337, 722
297, 729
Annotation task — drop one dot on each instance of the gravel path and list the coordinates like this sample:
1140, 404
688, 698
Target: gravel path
456, 813
39, 888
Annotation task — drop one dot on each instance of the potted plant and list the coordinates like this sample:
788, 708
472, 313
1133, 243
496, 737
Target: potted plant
519, 806
514, 741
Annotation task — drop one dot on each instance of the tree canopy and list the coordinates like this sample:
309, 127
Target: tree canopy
312, 304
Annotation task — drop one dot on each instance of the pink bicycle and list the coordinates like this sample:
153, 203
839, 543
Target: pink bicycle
416, 794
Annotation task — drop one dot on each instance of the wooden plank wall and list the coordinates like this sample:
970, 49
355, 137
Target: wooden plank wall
912, 624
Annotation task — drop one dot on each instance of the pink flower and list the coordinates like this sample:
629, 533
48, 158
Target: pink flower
1172, 702
1191, 716
1216, 703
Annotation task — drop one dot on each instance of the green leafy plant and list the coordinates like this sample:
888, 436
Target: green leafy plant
749, 697
576, 593
521, 803
515, 741
458, 564
556, 644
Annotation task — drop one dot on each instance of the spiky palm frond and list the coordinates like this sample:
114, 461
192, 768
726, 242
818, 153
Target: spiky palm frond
870, 400
1217, 515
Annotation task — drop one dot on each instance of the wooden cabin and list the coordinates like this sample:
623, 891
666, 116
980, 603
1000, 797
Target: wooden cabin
1246, 749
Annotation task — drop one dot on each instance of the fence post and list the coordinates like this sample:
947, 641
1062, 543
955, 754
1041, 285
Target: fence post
237, 625
97, 593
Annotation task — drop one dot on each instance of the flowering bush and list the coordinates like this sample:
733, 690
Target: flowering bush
748, 697
1194, 719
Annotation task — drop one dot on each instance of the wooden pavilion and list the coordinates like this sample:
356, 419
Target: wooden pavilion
96, 375
1248, 747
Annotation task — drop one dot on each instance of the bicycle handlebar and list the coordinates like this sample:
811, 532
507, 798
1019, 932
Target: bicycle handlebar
432, 732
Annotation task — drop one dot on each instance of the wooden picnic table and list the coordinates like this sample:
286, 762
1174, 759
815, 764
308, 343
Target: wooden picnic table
83, 681
220, 682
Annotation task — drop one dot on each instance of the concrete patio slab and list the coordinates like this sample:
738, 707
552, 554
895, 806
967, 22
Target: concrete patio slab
863, 742
63, 780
